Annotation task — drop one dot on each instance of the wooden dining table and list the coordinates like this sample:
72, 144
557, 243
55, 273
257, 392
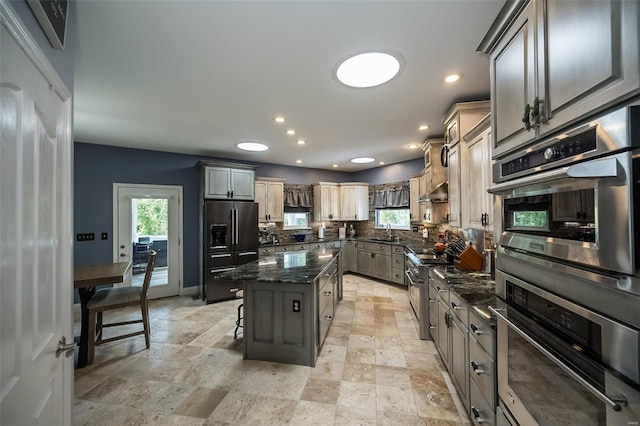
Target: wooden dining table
85, 279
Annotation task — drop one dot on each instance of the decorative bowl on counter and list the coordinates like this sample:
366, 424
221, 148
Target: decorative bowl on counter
299, 238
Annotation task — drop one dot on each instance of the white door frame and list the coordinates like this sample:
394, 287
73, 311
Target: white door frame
116, 249
31, 369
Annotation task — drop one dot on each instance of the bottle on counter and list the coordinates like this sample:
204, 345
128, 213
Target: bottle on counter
321, 231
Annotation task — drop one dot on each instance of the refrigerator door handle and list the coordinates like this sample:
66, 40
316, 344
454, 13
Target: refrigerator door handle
236, 228
233, 225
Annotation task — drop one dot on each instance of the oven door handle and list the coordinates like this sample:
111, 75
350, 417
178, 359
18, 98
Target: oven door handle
413, 281
614, 403
607, 167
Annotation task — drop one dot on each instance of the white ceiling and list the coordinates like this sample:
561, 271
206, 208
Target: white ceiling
197, 77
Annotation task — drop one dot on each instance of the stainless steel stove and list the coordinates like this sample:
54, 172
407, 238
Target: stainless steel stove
417, 273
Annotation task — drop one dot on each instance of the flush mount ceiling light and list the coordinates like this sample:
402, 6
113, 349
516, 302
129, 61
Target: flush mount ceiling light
362, 160
423, 127
368, 69
301, 142
252, 146
279, 119
291, 132
412, 146
452, 78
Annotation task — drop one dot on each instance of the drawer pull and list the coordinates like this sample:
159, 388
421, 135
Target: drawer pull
432, 327
432, 301
476, 414
327, 293
327, 318
441, 290
476, 368
456, 307
475, 329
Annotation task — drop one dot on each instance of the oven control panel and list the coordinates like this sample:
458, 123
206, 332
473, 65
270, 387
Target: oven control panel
563, 148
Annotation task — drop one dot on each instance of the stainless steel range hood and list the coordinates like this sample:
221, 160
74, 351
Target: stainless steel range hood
439, 194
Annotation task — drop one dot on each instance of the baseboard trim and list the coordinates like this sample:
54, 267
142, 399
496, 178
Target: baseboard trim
189, 291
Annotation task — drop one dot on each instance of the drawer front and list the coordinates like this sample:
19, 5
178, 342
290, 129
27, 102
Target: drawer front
325, 296
459, 307
442, 291
397, 250
332, 244
482, 333
397, 276
325, 322
397, 261
482, 370
221, 290
266, 251
382, 248
218, 261
284, 248
482, 413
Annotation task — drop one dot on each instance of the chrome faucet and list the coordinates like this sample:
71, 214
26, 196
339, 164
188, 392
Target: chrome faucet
389, 235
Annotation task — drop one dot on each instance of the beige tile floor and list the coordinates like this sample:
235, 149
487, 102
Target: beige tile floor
373, 369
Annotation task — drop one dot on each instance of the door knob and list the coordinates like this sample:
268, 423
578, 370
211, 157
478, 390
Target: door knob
64, 347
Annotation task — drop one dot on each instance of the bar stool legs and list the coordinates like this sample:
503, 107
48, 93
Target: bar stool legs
238, 321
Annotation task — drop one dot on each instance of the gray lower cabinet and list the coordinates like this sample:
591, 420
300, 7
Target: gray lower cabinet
374, 260
365, 262
467, 347
288, 322
353, 256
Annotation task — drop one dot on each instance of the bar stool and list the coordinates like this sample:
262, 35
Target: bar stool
239, 295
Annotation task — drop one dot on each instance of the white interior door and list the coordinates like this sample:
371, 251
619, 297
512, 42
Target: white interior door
36, 381
149, 217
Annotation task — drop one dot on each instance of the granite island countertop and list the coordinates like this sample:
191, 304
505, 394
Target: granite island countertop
475, 288
299, 267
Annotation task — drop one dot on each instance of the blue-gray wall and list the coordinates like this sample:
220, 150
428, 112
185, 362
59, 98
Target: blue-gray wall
97, 167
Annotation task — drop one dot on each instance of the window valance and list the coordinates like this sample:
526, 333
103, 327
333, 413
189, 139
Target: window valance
298, 196
390, 196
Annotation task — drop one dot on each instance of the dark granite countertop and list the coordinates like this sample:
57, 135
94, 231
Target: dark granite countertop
300, 267
475, 288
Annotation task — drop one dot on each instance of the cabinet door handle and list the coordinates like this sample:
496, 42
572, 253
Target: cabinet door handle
456, 307
537, 112
525, 117
476, 415
441, 290
432, 301
328, 318
476, 368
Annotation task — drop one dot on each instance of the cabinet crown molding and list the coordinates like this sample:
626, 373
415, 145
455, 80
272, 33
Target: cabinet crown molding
467, 107
478, 128
271, 179
503, 21
225, 164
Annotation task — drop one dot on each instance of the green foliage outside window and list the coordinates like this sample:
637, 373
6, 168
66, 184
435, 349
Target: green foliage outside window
530, 219
397, 218
152, 216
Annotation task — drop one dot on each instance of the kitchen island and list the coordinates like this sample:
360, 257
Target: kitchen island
289, 303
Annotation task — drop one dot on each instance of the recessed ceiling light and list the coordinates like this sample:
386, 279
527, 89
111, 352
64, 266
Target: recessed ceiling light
451, 78
423, 127
361, 160
301, 141
335, 165
291, 132
278, 119
368, 69
298, 161
252, 146
382, 162
412, 146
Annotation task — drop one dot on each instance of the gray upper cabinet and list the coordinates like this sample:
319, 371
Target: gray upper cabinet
226, 183
560, 62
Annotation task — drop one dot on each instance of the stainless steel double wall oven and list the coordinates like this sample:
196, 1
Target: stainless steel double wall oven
568, 275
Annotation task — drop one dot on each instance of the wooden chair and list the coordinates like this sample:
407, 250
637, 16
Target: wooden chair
114, 298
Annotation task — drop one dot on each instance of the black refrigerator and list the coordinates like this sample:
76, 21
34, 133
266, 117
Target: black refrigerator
230, 239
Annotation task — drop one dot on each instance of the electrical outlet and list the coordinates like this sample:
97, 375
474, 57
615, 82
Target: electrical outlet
86, 237
105, 235
296, 305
